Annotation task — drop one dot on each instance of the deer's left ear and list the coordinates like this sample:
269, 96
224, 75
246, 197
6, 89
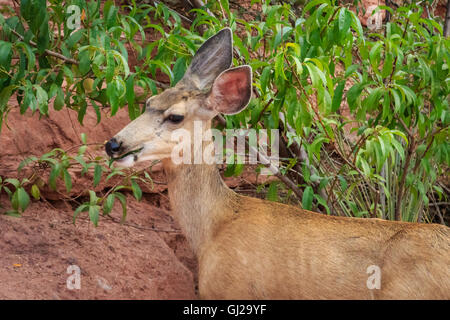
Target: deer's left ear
231, 91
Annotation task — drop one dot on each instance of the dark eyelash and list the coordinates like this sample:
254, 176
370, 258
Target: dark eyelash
175, 118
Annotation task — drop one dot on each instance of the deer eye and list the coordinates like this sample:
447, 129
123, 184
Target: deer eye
175, 118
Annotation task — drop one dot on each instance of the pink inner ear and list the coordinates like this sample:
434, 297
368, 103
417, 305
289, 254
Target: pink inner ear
231, 91
232, 83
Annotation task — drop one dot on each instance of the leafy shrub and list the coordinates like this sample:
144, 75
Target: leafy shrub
364, 115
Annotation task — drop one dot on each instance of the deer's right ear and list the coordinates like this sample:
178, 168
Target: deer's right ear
213, 57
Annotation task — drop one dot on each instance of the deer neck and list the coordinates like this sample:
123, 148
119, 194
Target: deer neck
199, 198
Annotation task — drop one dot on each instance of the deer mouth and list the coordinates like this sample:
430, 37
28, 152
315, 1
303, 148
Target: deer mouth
127, 159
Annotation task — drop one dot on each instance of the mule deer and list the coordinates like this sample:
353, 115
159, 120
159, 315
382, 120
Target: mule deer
249, 248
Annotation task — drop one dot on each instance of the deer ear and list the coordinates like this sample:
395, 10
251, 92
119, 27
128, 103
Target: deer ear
231, 91
213, 57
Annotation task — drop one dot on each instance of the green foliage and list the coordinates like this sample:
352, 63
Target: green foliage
364, 115
58, 164
92, 60
325, 74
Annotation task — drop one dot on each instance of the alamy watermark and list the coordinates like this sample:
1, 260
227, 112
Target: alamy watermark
374, 280
73, 282
375, 20
74, 18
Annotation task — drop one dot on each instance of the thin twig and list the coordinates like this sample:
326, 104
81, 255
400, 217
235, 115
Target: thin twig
200, 4
48, 52
438, 210
272, 168
398, 214
437, 204
264, 109
181, 16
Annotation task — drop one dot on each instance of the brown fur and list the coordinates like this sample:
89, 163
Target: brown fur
249, 248
254, 249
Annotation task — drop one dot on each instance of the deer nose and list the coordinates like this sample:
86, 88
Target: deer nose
112, 147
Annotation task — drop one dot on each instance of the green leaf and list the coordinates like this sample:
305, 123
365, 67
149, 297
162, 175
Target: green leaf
123, 61
344, 22
388, 65
356, 24
13, 213
373, 99
8, 191
137, 192
123, 201
54, 173
237, 42
265, 76
85, 62
31, 58
15, 200
42, 98
67, 180
59, 100
307, 198
53, 90
35, 192
374, 56
26, 162
110, 13
133, 112
93, 199
337, 98
365, 166
94, 214
109, 203
279, 66
83, 138
68, 73
97, 174
178, 70
353, 94
322, 202
23, 198
272, 193
5, 54
13, 181
29, 101
113, 98
351, 69
74, 38
317, 77
79, 159
97, 110
343, 183
5, 95
43, 38
110, 66
82, 208
398, 146
314, 3
82, 111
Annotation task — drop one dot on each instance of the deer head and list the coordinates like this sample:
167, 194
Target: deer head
208, 87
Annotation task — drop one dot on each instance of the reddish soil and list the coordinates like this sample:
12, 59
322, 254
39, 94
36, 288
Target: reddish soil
117, 261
